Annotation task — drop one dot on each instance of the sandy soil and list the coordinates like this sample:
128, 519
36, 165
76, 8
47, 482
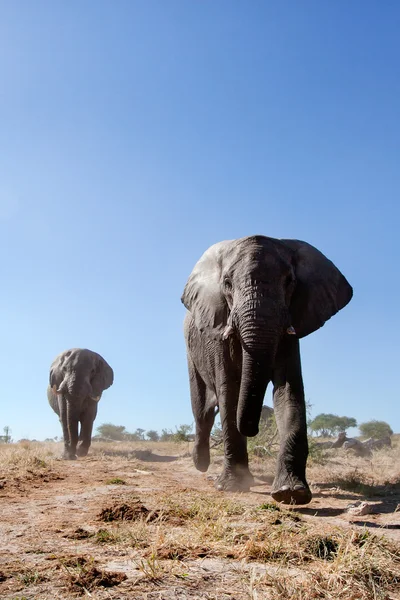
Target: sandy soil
48, 524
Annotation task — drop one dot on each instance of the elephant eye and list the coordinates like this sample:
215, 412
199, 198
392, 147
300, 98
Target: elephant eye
227, 284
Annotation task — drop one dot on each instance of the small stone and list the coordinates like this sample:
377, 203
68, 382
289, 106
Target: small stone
363, 508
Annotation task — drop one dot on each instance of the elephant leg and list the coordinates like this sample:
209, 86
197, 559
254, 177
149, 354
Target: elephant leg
236, 476
203, 407
69, 452
73, 426
87, 420
290, 484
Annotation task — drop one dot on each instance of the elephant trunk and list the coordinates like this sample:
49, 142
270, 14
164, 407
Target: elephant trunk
260, 324
62, 411
255, 378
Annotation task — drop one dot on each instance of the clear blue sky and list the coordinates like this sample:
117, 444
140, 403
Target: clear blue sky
134, 134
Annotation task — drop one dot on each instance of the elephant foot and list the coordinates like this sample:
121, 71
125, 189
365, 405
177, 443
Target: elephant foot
82, 451
68, 455
238, 480
291, 490
201, 456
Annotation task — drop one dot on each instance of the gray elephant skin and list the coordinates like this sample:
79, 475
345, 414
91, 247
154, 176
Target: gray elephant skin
78, 377
249, 302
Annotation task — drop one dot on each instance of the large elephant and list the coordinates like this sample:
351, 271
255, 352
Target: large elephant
249, 302
78, 377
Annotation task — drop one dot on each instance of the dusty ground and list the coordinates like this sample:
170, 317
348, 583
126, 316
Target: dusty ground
133, 522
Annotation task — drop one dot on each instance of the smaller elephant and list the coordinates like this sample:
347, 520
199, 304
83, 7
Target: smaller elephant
78, 377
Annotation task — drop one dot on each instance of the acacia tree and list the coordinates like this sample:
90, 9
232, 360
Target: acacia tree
328, 425
345, 423
375, 429
166, 435
182, 433
140, 433
113, 432
152, 435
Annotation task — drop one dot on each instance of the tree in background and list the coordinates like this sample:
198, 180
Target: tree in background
375, 429
131, 437
216, 435
328, 425
139, 433
166, 435
119, 433
266, 442
6, 438
152, 435
182, 433
345, 423
112, 432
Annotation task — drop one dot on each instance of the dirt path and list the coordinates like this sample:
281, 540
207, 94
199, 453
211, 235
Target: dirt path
52, 546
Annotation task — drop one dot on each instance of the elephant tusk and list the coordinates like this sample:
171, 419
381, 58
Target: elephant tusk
227, 332
291, 330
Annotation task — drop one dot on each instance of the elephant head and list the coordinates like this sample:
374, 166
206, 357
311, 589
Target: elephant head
261, 289
80, 373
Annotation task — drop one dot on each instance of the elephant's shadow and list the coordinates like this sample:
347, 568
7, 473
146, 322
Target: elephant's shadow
387, 495
143, 455
385, 499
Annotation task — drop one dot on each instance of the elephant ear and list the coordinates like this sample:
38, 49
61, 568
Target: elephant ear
321, 289
202, 295
103, 377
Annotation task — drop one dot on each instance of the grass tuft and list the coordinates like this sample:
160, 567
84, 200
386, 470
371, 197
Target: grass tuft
324, 547
31, 577
116, 481
104, 536
84, 575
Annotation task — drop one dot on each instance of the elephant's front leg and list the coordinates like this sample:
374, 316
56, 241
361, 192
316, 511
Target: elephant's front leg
87, 420
65, 417
290, 485
203, 407
236, 476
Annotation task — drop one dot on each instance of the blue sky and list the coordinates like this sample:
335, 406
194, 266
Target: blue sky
137, 133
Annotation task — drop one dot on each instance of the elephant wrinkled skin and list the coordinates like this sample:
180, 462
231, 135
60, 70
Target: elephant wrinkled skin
78, 377
249, 302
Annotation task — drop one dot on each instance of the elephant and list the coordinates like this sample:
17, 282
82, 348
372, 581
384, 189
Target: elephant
78, 377
249, 301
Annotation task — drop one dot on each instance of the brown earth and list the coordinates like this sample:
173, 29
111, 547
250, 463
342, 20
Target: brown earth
144, 524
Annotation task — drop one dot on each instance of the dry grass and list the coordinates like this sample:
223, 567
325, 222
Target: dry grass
28, 460
351, 566
140, 450
378, 475
262, 552
37, 459
329, 564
